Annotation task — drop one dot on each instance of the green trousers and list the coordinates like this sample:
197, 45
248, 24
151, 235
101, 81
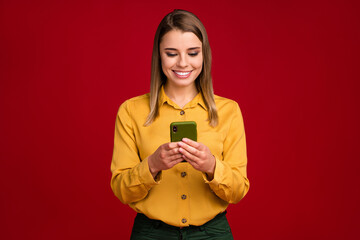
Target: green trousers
148, 229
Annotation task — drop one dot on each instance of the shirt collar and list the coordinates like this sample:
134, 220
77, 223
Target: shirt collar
197, 100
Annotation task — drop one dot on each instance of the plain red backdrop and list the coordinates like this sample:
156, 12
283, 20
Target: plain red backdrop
66, 66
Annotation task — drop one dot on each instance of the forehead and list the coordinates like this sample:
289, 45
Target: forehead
180, 40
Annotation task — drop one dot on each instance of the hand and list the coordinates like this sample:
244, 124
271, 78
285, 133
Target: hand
165, 157
198, 155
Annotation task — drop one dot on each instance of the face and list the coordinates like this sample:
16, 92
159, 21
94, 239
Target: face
181, 58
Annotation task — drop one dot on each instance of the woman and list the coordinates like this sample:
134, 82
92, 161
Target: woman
177, 199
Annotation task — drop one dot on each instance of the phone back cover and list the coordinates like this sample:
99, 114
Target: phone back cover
184, 129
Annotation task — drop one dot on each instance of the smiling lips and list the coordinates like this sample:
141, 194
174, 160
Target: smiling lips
182, 74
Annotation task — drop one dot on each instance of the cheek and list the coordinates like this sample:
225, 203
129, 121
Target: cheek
198, 63
166, 63
165, 69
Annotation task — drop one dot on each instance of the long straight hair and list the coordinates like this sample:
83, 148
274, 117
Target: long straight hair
187, 22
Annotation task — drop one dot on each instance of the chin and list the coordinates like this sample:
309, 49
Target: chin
183, 83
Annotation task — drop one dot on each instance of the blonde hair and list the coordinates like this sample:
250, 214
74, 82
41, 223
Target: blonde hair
187, 22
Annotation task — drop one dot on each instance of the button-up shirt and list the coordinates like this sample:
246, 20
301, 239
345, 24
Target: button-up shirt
180, 196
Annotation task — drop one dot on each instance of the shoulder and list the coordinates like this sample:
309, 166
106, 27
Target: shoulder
135, 104
222, 102
227, 109
136, 101
229, 112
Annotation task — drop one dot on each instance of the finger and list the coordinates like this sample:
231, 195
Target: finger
168, 154
173, 151
188, 155
192, 163
188, 148
177, 161
171, 145
191, 142
176, 157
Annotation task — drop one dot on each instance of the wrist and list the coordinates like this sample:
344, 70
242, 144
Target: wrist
210, 173
209, 176
152, 169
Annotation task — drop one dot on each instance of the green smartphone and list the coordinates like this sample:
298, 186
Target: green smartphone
185, 129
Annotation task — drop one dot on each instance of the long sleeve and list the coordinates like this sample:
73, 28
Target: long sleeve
131, 178
230, 181
178, 196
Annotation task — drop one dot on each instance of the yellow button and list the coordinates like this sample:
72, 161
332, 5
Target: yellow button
183, 220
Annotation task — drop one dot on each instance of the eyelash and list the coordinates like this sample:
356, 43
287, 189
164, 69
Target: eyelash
174, 54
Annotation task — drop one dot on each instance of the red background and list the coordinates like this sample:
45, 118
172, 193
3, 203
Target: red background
66, 66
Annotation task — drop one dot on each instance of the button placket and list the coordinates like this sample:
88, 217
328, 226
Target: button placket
183, 192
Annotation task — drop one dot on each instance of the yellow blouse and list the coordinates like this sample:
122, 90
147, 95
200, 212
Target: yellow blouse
180, 196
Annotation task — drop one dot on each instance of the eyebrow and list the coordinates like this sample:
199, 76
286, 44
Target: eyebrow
174, 49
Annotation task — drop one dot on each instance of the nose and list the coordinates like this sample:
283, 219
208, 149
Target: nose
182, 61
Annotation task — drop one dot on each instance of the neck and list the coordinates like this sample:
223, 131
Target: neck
180, 95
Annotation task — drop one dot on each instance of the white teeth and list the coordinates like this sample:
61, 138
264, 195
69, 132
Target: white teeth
182, 73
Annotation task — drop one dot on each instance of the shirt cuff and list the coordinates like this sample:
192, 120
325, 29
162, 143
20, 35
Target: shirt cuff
145, 175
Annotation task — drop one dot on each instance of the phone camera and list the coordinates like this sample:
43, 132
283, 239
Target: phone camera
174, 128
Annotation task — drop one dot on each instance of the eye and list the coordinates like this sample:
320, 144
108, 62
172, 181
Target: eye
193, 54
171, 54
